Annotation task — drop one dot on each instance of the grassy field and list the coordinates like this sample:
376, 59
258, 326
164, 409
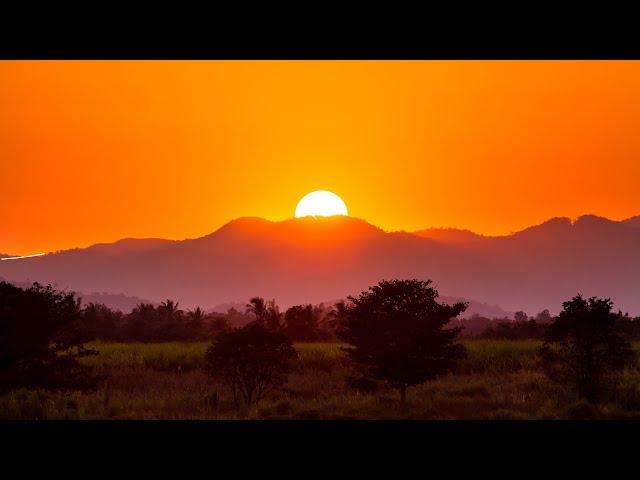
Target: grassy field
497, 380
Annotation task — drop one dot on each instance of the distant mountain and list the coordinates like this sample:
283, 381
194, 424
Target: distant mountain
131, 245
117, 301
453, 236
309, 260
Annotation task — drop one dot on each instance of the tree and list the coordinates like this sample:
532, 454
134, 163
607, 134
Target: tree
583, 345
266, 313
544, 317
520, 316
99, 321
301, 323
140, 323
396, 332
195, 318
258, 307
251, 361
41, 340
170, 324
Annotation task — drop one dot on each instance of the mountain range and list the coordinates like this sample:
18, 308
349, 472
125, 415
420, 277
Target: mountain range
310, 260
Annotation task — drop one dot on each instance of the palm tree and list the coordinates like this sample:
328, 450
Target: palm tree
170, 308
273, 317
195, 318
258, 307
337, 314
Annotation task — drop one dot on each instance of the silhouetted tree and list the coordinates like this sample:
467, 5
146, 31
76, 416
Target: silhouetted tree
216, 325
583, 345
170, 324
273, 317
520, 316
544, 317
397, 333
100, 321
140, 323
41, 340
251, 361
301, 323
195, 319
337, 314
514, 330
266, 313
258, 307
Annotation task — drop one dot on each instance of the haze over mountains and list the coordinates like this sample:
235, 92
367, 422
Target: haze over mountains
312, 260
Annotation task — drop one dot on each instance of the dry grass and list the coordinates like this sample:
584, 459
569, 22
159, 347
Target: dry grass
497, 380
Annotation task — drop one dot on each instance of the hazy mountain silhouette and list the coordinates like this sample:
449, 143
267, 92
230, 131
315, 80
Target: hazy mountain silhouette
452, 236
309, 260
117, 301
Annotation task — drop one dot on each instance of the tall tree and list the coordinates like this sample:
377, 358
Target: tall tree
397, 333
41, 340
258, 307
584, 346
301, 323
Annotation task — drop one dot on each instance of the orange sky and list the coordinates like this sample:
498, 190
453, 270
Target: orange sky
101, 150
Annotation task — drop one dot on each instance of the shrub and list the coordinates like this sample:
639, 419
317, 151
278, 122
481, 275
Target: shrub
251, 361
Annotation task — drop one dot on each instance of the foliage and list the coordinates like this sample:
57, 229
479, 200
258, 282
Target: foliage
266, 313
583, 346
514, 330
397, 333
41, 340
251, 361
301, 323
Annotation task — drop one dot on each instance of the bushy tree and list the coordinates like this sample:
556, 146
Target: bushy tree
41, 340
301, 323
520, 316
398, 333
544, 317
266, 313
584, 346
251, 361
100, 321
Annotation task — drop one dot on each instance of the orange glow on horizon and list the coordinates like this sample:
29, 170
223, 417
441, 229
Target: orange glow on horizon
95, 151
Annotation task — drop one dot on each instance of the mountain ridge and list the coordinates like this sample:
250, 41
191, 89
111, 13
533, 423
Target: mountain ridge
311, 259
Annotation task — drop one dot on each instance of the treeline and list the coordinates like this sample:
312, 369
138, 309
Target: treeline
301, 323
395, 333
529, 328
167, 322
522, 327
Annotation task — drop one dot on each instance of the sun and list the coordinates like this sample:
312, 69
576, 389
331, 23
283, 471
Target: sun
320, 203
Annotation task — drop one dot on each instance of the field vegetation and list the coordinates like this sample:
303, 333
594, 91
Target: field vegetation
499, 379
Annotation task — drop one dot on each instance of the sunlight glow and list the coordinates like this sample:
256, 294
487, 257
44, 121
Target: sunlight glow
320, 203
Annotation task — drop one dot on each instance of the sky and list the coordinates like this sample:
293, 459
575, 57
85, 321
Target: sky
95, 151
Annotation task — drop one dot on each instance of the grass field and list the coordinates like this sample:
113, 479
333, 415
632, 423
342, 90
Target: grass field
497, 380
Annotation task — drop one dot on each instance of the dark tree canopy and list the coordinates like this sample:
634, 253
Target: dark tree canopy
397, 332
584, 346
41, 339
301, 323
251, 361
266, 313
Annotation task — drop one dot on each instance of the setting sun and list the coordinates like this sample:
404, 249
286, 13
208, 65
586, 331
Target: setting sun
320, 204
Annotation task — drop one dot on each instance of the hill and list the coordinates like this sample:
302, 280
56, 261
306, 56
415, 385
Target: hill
309, 260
